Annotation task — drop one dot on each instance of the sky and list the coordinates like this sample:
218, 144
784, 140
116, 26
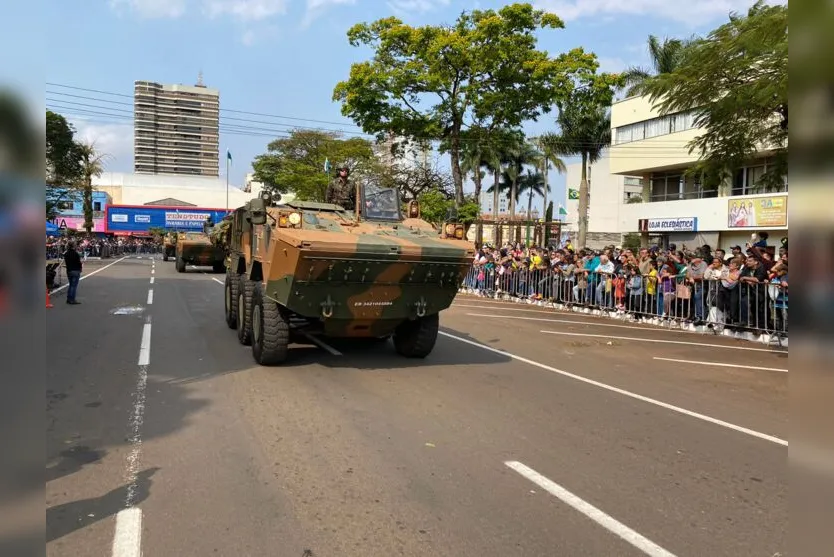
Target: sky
282, 58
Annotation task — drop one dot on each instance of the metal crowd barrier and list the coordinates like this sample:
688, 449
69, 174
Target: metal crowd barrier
760, 309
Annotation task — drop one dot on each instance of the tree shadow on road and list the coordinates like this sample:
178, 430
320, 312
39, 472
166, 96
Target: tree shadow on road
68, 517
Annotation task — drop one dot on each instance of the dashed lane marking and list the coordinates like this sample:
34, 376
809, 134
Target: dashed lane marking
629, 394
639, 339
721, 364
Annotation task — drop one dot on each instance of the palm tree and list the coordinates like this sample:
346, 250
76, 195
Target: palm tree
548, 158
92, 164
665, 57
585, 130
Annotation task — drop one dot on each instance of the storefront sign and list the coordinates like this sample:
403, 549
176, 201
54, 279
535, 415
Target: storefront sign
757, 212
191, 220
676, 224
77, 223
135, 219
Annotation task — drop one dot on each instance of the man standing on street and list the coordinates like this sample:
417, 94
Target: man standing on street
72, 262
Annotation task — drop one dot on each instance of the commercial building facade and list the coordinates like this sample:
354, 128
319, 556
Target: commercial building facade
176, 129
681, 209
71, 212
608, 193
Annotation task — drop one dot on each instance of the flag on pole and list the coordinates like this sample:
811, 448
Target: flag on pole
327, 166
562, 211
228, 156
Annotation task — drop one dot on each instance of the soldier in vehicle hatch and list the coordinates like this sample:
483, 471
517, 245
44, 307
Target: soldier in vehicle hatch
340, 192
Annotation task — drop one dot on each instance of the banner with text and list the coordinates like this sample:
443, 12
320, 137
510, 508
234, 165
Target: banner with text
673, 224
757, 212
138, 219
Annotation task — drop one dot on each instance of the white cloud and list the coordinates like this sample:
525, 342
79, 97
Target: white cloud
152, 9
693, 13
116, 140
245, 10
408, 7
612, 64
316, 8
248, 37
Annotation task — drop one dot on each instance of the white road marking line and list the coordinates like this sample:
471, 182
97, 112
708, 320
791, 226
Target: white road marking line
151, 280
152, 270
145, 347
608, 522
127, 542
570, 321
667, 342
617, 390
720, 364
88, 275
321, 344
150, 296
218, 281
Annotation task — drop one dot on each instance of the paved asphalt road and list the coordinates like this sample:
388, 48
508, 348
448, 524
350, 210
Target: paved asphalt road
612, 451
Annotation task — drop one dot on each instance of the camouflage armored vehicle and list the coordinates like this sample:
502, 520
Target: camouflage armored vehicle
169, 246
304, 268
197, 248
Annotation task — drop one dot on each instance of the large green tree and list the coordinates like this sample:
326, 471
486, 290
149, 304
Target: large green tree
297, 163
434, 81
736, 81
64, 171
584, 129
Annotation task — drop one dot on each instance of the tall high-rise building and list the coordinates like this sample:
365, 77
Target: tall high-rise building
176, 129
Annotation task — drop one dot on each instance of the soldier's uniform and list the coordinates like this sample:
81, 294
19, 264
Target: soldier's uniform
339, 192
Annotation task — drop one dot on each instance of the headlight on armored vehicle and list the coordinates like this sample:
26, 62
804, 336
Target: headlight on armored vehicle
295, 219
459, 232
283, 222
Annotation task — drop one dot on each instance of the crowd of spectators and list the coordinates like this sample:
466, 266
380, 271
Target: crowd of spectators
100, 246
746, 289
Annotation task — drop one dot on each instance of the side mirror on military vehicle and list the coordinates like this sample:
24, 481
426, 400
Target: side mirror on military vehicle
257, 211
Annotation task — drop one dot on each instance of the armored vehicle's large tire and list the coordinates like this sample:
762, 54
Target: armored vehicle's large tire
415, 339
244, 310
231, 289
270, 330
180, 265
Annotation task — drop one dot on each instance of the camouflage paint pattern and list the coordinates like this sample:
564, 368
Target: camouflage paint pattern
359, 279
197, 248
170, 244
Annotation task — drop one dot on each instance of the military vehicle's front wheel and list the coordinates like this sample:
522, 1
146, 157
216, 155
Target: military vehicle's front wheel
230, 300
415, 339
165, 256
244, 310
180, 265
270, 330
218, 267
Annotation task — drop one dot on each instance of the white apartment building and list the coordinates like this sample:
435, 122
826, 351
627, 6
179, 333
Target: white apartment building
412, 153
487, 200
176, 129
679, 209
608, 193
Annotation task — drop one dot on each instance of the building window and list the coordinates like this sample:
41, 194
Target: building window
96, 205
654, 127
